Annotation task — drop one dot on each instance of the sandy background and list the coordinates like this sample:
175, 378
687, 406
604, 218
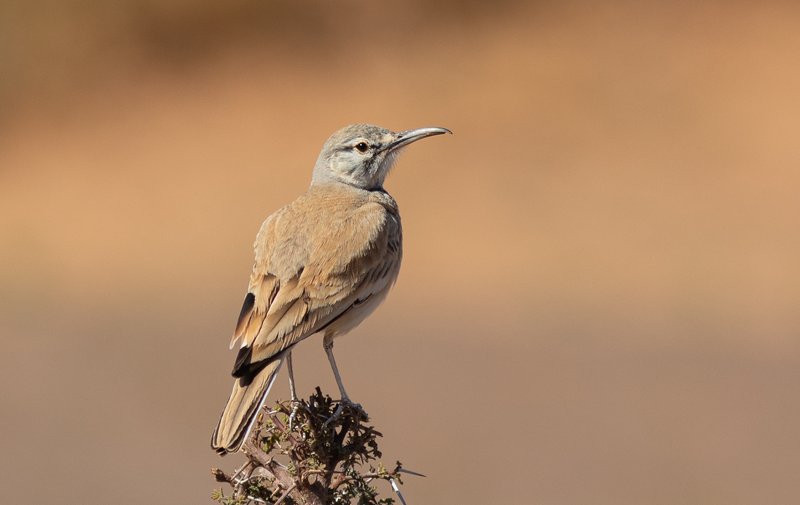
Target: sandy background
598, 302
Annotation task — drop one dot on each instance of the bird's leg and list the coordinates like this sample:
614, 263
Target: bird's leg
327, 343
289, 366
292, 389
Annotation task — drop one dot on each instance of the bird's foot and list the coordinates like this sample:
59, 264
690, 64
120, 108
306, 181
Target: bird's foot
346, 403
295, 406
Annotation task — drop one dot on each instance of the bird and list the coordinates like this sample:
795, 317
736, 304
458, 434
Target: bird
323, 263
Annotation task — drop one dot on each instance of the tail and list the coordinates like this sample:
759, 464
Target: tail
242, 408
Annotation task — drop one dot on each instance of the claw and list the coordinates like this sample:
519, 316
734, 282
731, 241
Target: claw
336, 414
345, 402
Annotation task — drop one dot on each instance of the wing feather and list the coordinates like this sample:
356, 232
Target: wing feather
307, 276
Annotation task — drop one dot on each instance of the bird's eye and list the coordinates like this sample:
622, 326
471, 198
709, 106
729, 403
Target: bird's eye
362, 147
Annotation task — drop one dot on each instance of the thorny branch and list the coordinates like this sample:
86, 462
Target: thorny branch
317, 459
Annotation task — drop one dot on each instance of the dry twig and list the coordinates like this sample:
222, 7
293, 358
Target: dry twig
327, 459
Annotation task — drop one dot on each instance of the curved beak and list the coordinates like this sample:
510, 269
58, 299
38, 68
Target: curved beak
409, 136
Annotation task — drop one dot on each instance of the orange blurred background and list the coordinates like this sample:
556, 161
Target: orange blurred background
598, 302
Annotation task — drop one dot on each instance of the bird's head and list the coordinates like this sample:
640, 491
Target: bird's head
361, 155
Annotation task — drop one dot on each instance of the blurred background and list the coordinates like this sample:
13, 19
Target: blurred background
598, 302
